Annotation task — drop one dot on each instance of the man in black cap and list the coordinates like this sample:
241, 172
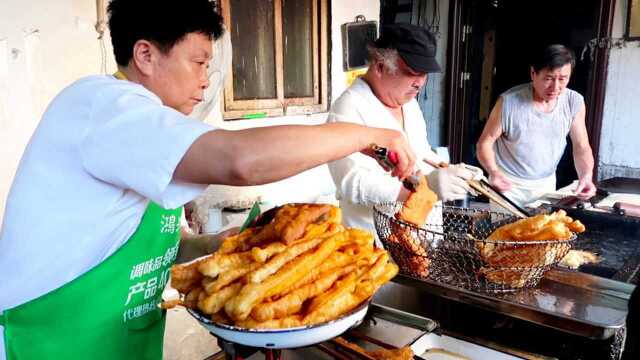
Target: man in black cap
399, 63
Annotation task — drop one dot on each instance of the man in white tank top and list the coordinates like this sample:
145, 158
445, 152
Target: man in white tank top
526, 133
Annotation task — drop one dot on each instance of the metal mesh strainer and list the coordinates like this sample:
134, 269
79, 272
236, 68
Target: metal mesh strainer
451, 248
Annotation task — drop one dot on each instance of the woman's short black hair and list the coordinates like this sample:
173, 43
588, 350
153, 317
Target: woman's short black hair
553, 57
163, 22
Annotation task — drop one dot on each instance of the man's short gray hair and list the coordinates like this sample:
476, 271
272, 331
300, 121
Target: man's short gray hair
388, 58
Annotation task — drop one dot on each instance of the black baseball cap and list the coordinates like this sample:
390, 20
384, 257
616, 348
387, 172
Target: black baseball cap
415, 45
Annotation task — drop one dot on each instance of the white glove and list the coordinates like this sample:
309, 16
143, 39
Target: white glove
450, 183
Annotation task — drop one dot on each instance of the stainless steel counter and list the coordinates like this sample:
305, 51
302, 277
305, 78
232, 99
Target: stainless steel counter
569, 301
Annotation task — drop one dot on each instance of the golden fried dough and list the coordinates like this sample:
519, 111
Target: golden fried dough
306, 214
501, 258
273, 276
228, 277
418, 205
239, 307
290, 253
217, 263
292, 302
234, 242
411, 253
286, 322
263, 254
185, 277
404, 353
212, 303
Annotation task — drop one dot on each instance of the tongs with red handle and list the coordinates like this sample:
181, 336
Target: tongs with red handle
389, 160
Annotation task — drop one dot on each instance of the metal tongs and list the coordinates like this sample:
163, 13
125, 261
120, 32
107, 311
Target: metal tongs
482, 185
389, 159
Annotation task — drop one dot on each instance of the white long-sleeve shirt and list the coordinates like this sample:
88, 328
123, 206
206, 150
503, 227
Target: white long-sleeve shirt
360, 181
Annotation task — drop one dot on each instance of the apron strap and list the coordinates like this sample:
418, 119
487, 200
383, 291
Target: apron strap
120, 75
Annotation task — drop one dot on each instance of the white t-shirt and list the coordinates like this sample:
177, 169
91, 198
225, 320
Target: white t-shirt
359, 179
103, 149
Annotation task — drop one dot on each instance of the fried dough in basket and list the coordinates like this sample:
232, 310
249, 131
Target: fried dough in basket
410, 253
418, 205
514, 264
415, 210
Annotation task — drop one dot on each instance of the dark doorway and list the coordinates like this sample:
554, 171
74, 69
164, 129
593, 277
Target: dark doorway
498, 37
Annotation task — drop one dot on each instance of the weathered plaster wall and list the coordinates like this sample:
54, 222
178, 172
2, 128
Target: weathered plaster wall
45, 46
619, 142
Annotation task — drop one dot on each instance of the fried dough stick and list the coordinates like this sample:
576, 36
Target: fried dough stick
360, 237
345, 285
263, 254
239, 307
292, 302
191, 299
232, 243
334, 262
350, 299
418, 205
228, 277
286, 322
221, 318
404, 353
185, 277
574, 225
288, 225
289, 254
556, 226
212, 303
306, 215
217, 263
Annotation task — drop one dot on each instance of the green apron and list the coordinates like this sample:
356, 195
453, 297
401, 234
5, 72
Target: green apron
110, 312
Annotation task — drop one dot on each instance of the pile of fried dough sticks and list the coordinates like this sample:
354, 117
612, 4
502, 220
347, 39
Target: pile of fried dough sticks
301, 268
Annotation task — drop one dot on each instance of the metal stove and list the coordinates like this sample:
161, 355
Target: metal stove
615, 238
383, 327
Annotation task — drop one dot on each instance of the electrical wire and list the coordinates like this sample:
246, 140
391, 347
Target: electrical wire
435, 26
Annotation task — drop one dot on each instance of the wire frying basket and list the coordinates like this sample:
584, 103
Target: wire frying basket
451, 248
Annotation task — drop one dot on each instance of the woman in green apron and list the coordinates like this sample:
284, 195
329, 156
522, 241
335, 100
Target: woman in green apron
91, 228
107, 312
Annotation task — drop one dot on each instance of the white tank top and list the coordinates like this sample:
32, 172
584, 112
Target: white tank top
532, 141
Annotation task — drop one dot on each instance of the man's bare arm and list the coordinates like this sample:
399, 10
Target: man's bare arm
263, 155
486, 155
492, 131
582, 155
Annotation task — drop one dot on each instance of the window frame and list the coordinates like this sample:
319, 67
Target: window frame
632, 27
280, 106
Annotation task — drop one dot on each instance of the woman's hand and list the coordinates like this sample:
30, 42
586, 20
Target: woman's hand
393, 141
195, 246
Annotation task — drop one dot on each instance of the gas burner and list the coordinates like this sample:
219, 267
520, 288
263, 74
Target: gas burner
233, 351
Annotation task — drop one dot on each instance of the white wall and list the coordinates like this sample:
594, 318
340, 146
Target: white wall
315, 184
46, 45
434, 106
619, 143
